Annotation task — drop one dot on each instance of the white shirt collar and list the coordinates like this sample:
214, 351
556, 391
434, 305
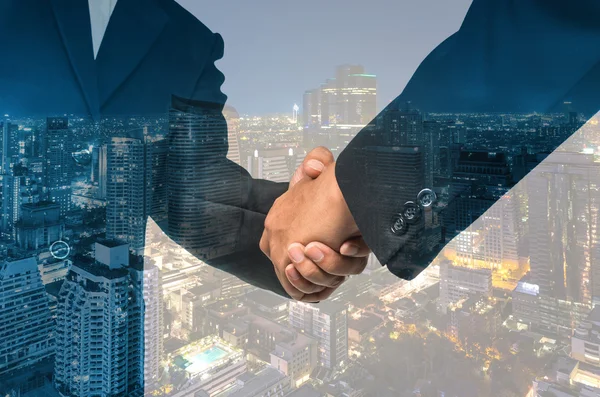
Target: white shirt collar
100, 12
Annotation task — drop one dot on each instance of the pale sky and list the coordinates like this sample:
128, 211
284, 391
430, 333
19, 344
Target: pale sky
277, 49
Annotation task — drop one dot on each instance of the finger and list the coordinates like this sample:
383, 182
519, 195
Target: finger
309, 271
292, 291
333, 262
310, 168
300, 283
319, 296
316, 160
298, 175
356, 247
313, 165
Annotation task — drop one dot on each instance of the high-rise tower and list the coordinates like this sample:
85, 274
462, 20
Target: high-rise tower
58, 162
204, 187
99, 333
26, 329
328, 323
125, 220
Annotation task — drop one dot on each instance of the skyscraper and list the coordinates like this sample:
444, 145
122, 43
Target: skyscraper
311, 118
40, 225
233, 128
335, 112
403, 126
488, 233
327, 103
99, 333
26, 329
58, 162
99, 170
156, 179
204, 190
10, 144
19, 188
125, 215
311, 108
136, 186
476, 319
152, 322
295, 110
457, 283
563, 203
296, 357
479, 179
433, 139
328, 323
9, 193
277, 165
356, 102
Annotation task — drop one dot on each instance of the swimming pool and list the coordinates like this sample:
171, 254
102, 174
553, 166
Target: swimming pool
204, 359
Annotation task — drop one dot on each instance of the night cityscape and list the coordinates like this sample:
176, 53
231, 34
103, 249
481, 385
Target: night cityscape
97, 301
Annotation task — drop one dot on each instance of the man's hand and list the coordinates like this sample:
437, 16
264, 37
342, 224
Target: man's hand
313, 165
303, 225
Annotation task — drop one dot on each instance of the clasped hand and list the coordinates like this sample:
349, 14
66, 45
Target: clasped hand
310, 234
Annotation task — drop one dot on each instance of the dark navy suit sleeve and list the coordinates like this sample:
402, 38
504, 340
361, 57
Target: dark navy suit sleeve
231, 203
378, 173
507, 57
257, 195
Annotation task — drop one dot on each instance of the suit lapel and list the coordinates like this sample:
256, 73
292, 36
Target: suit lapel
73, 20
133, 28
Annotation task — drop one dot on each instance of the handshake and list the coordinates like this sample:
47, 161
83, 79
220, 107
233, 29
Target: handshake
310, 234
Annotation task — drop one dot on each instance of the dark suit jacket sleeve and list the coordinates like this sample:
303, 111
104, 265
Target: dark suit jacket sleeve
381, 170
377, 175
377, 181
257, 195
473, 71
233, 205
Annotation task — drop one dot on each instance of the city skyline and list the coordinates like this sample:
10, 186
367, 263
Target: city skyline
145, 169
192, 328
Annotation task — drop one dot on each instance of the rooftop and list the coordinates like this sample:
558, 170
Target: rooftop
203, 289
268, 325
97, 269
331, 307
40, 205
305, 391
265, 298
365, 323
483, 157
252, 385
296, 343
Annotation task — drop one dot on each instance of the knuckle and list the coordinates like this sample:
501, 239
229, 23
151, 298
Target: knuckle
308, 287
333, 266
264, 246
337, 281
363, 263
324, 294
294, 293
360, 265
321, 153
311, 272
325, 151
268, 222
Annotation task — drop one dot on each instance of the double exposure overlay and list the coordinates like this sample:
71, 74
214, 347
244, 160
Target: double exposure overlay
134, 197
